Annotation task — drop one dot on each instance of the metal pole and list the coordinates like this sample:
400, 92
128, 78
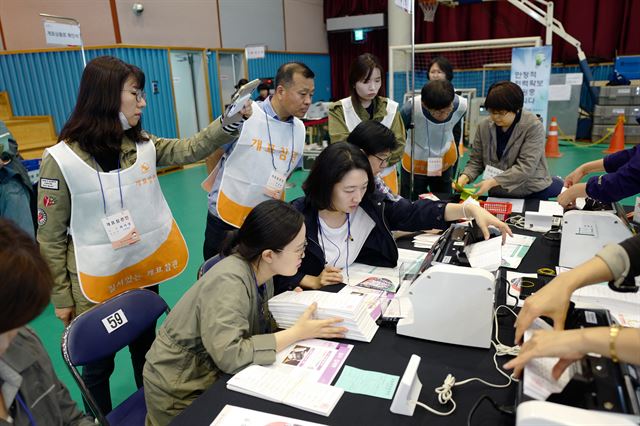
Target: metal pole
413, 89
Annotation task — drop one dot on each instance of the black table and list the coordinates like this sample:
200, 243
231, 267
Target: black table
390, 353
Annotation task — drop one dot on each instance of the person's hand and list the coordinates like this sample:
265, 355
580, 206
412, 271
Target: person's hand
308, 328
567, 199
564, 344
330, 275
574, 177
460, 183
551, 301
240, 116
484, 219
485, 186
65, 314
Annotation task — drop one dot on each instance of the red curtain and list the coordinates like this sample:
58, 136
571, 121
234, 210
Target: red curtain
604, 28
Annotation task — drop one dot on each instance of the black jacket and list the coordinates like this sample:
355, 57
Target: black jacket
380, 248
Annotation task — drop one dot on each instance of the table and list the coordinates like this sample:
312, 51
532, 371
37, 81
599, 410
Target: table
390, 353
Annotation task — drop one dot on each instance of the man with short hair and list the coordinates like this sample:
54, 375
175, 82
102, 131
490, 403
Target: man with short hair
256, 166
436, 112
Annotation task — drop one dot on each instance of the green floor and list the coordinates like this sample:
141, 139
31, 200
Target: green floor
189, 205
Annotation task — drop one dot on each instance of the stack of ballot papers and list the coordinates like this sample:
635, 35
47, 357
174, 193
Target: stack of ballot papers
276, 386
234, 416
287, 307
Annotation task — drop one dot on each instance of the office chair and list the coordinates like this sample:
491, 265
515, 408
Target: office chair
103, 331
208, 264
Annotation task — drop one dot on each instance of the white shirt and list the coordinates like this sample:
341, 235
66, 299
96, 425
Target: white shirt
335, 242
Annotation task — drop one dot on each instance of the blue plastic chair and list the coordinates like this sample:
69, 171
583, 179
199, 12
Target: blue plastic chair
103, 331
208, 264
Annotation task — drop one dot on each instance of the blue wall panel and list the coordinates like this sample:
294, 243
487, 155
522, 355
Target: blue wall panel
214, 84
46, 83
319, 64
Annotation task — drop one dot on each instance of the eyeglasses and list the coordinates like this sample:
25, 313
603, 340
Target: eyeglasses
498, 113
139, 94
383, 161
444, 112
299, 252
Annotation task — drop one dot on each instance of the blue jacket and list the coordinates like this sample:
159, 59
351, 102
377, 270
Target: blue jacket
622, 179
380, 248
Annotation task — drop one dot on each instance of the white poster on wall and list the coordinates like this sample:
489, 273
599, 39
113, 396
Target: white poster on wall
59, 34
254, 52
531, 69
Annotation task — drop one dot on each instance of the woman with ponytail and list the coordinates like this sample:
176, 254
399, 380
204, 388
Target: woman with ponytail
222, 324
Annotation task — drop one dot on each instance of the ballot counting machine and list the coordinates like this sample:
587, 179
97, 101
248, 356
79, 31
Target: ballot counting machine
600, 385
448, 301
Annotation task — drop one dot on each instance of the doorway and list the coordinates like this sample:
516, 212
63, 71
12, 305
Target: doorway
190, 90
230, 69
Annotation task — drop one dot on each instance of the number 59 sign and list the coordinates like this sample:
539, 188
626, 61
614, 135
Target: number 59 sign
114, 321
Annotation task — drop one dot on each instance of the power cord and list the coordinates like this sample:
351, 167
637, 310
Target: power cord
516, 220
504, 409
445, 392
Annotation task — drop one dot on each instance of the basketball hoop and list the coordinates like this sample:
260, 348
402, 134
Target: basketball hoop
429, 8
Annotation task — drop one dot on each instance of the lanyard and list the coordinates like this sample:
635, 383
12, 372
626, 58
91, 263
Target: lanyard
349, 238
273, 161
26, 409
104, 201
260, 293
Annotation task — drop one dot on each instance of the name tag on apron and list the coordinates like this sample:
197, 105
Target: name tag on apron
275, 185
120, 229
434, 166
490, 172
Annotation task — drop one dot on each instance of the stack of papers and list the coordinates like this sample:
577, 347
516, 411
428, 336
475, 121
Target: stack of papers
276, 386
426, 240
376, 301
234, 416
386, 279
287, 307
316, 360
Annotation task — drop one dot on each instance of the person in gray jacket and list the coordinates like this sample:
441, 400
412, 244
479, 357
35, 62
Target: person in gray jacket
509, 150
222, 324
31, 393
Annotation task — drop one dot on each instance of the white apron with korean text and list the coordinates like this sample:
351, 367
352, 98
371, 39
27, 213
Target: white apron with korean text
161, 252
433, 140
389, 174
249, 167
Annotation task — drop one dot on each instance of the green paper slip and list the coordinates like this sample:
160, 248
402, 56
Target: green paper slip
367, 382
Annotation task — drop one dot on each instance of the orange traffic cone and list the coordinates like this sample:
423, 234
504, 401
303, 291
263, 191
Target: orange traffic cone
617, 140
551, 149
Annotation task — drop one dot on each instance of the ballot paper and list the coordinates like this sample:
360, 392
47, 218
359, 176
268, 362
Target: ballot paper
515, 249
381, 278
517, 204
552, 208
376, 300
486, 254
312, 359
234, 416
624, 307
426, 240
538, 381
273, 385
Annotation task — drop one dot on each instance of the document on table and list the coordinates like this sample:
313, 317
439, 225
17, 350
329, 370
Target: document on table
538, 381
551, 208
517, 204
624, 307
514, 284
426, 240
234, 416
486, 254
376, 300
515, 249
365, 382
312, 359
381, 278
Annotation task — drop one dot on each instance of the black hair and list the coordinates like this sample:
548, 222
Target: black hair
504, 96
437, 94
241, 83
263, 86
361, 69
284, 76
332, 164
372, 137
270, 225
444, 64
95, 122
26, 283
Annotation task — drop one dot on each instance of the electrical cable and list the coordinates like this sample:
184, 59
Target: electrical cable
500, 408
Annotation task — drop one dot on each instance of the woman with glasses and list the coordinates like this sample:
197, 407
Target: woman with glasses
364, 104
509, 150
222, 324
435, 114
103, 223
348, 220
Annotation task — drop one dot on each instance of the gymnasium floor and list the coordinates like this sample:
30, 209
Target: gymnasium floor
188, 203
